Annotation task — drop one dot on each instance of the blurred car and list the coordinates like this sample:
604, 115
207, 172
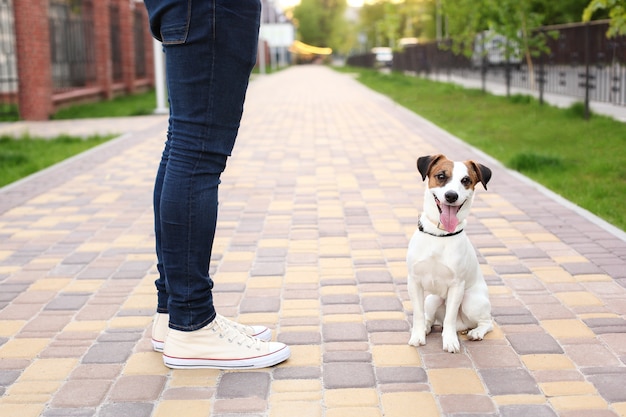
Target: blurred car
383, 56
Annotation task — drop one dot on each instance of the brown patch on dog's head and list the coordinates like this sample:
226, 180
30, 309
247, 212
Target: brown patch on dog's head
437, 168
478, 173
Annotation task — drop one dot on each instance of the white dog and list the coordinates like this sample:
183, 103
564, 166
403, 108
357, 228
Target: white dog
441, 260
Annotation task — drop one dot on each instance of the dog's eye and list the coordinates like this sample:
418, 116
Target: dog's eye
441, 176
466, 181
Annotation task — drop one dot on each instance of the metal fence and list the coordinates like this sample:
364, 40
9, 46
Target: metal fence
72, 38
582, 63
8, 64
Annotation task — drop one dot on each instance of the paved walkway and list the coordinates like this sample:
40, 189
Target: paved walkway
317, 206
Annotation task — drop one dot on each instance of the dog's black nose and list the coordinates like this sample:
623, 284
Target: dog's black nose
451, 196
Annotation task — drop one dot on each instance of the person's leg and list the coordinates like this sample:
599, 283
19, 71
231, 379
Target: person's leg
210, 48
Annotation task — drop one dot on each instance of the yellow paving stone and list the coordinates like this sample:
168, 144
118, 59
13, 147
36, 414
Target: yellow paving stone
339, 289
567, 328
599, 316
304, 355
385, 315
107, 198
404, 404
194, 377
10, 328
233, 277
294, 385
499, 290
269, 243
297, 328
145, 363
304, 275
290, 396
193, 408
94, 326
552, 274
562, 388
5, 254
620, 408
578, 402
56, 369
26, 348
335, 263
304, 409
300, 305
305, 246
342, 318
395, 355
593, 278
547, 362
487, 269
258, 318
50, 284
502, 259
130, 322
265, 282
84, 285
353, 412
508, 232
291, 313
542, 237
140, 301
26, 398
27, 388
570, 259
21, 410
519, 399
455, 381
351, 397
578, 298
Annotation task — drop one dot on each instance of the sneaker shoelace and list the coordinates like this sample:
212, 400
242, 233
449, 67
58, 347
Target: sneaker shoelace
234, 335
238, 326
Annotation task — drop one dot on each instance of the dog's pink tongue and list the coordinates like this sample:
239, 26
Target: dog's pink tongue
448, 217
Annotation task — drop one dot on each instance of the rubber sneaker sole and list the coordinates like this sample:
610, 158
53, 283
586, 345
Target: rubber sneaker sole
263, 361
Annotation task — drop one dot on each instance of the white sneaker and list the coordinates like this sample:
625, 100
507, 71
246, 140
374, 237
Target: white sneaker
160, 328
221, 346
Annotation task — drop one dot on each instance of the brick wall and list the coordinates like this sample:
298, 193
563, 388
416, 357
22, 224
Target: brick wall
37, 98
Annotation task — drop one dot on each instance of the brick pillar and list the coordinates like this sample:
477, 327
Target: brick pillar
32, 34
148, 44
102, 32
128, 44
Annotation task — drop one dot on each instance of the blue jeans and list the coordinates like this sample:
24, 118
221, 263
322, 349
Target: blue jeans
210, 49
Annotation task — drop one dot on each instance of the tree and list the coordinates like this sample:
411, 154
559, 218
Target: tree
617, 13
320, 22
516, 20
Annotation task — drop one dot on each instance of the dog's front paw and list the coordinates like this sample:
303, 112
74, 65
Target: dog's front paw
417, 339
451, 342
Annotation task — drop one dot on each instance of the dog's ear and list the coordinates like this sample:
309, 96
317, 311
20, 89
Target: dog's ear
484, 173
425, 162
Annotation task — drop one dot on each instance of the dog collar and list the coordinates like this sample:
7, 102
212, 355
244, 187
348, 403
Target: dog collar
420, 227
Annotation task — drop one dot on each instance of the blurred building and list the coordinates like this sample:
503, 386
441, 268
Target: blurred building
58, 52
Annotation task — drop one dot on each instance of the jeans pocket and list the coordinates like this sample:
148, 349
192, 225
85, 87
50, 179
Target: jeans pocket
169, 20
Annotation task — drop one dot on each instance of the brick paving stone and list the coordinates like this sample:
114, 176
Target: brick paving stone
344, 332
526, 410
243, 385
403, 374
348, 375
533, 343
509, 381
126, 410
69, 412
81, 393
311, 241
137, 388
347, 356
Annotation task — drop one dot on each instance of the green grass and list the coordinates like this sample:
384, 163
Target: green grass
26, 155
583, 161
132, 105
